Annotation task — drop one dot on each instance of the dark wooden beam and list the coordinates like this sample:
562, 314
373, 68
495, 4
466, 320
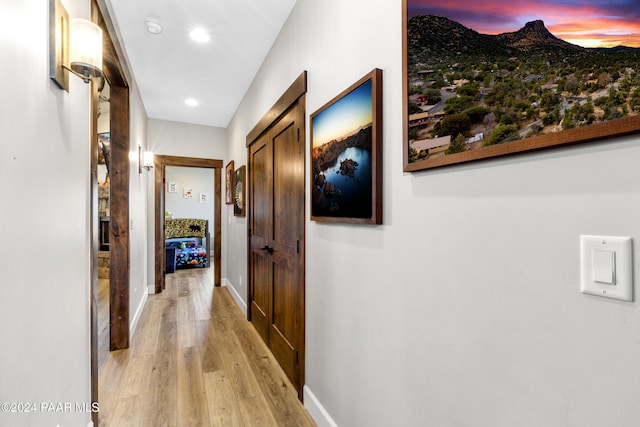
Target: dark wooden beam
217, 228
119, 218
159, 223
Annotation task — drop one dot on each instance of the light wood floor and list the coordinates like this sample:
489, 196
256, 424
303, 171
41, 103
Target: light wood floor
194, 360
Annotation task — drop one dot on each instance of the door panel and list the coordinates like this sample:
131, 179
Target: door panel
261, 195
260, 266
260, 229
285, 151
283, 316
288, 182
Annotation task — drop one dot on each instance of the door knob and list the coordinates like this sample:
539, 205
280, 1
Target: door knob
267, 249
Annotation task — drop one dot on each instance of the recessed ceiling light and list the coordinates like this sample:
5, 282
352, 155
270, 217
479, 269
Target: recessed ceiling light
191, 102
199, 35
153, 27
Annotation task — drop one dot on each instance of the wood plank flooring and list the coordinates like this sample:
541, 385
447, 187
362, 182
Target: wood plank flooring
194, 360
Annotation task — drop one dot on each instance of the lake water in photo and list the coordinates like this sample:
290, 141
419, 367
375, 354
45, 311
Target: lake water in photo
352, 196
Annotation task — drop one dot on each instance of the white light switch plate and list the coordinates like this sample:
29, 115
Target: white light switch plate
597, 269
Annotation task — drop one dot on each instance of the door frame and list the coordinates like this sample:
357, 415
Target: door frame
294, 94
119, 252
160, 164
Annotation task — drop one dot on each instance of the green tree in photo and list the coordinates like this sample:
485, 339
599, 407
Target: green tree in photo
458, 145
454, 125
414, 108
502, 133
457, 104
433, 95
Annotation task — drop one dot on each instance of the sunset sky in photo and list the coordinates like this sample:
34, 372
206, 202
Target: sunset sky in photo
598, 23
344, 116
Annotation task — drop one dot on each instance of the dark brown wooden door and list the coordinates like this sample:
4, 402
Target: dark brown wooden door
276, 239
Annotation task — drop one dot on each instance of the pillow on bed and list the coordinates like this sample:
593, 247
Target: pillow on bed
177, 242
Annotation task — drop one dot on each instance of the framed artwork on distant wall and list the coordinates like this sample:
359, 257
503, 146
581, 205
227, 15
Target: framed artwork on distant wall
477, 87
104, 147
228, 188
346, 155
239, 192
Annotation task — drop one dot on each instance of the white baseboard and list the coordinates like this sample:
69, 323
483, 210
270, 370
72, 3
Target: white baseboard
151, 289
136, 317
316, 410
236, 296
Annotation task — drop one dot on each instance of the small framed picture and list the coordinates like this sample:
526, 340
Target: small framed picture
228, 188
104, 147
204, 198
172, 187
188, 193
239, 204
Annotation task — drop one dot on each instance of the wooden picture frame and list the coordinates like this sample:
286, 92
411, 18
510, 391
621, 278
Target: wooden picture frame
240, 192
542, 91
346, 155
229, 185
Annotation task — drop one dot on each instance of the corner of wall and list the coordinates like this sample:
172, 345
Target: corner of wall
316, 410
236, 296
136, 317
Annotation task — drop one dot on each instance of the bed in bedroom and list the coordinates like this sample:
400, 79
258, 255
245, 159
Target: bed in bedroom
187, 243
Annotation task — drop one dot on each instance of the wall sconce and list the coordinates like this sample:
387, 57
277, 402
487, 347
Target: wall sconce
74, 46
145, 160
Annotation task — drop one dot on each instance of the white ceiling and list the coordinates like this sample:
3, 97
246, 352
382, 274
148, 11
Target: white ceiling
170, 67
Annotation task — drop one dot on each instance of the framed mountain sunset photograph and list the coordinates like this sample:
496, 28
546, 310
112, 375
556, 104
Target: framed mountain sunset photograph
487, 78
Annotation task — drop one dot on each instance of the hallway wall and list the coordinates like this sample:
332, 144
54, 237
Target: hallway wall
464, 308
44, 223
137, 208
44, 244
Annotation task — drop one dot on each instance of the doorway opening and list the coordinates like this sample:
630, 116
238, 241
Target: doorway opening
161, 163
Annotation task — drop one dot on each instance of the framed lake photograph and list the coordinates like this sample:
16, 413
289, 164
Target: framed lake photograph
346, 155
481, 80
228, 188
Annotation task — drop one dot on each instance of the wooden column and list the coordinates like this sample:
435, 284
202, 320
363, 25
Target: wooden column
119, 218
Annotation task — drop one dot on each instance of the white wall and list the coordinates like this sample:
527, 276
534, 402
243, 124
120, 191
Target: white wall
183, 140
235, 244
44, 223
464, 308
44, 244
200, 180
137, 208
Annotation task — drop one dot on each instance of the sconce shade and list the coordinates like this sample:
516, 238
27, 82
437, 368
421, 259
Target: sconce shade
147, 160
85, 52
